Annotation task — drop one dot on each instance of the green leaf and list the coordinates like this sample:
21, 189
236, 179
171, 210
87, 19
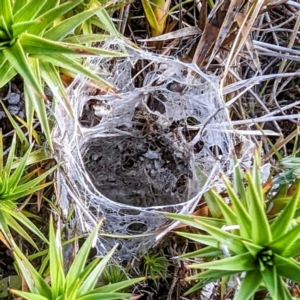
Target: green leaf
17, 5
11, 154
17, 174
261, 232
70, 64
21, 218
191, 220
33, 102
51, 76
150, 15
29, 11
13, 281
241, 214
293, 250
37, 46
228, 214
105, 296
87, 38
5, 32
15, 226
67, 26
208, 277
56, 262
287, 268
114, 287
284, 243
256, 175
32, 183
283, 292
270, 279
80, 259
17, 58
74, 286
23, 192
233, 242
106, 20
35, 282
249, 286
43, 21
238, 184
281, 224
209, 197
27, 295
37, 156
3, 59
252, 248
204, 252
91, 280
238, 263
4, 184
201, 239
19, 28
7, 73
48, 6
6, 12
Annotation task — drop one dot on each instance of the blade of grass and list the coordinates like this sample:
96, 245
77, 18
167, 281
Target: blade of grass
81, 257
249, 285
71, 65
56, 262
282, 222
239, 263
28, 11
60, 31
44, 20
261, 232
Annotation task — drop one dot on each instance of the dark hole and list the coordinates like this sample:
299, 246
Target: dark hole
88, 118
192, 121
215, 150
136, 228
156, 105
198, 146
175, 87
129, 163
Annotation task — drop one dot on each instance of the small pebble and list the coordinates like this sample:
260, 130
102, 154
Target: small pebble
13, 109
14, 98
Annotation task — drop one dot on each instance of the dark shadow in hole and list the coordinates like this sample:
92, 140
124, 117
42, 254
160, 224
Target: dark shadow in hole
198, 146
216, 151
136, 228
93, 111
155, 104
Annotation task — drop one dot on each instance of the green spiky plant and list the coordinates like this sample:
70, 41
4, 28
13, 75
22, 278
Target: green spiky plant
32, 45
17, 182
245, 241
80, 282
112, 274
156, 267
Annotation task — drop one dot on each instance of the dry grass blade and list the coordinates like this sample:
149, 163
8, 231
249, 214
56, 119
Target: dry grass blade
253, 11
227, 25
281, 143
290, 45
181, 33
211, 31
